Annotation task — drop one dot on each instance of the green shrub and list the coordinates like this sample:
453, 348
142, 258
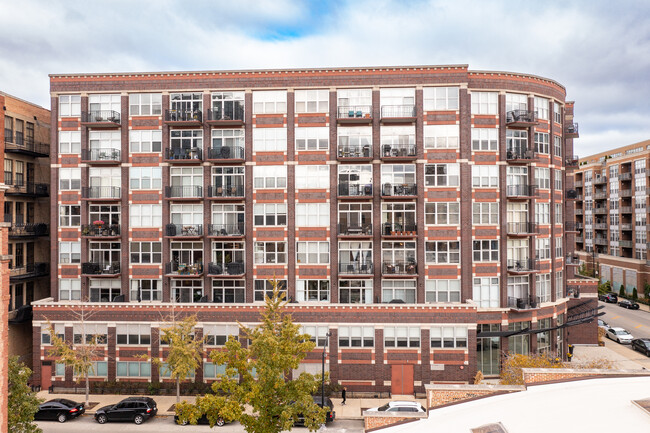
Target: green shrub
621, 291
635, 295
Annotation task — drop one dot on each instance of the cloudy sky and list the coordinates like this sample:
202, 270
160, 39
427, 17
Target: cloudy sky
599, 50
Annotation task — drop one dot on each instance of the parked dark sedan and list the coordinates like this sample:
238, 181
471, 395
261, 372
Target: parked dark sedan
59, 409
626, 303
136, 409
642, 345
610, 298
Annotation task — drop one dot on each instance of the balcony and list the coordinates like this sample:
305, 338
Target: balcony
577, 184
579, 239
30, 270
184, 230
189, 191
600, 226
572, 226
578, 212
183, 117
571, 130
600, 180
600, 196
397, 113
102, 192
226, 153
522, 266
399, 190
356, 268
29, 189
355, 190
399, 268
572, 260
398, 151
521, 228
626, 209
231, 192
600, 241
521, 191
107, 156
358, 152
520, 155
625, 176
230, 116
521, 118
398, 229
226, 230
571, 161
626, 226
101, 119
17, 231
26, 146
100, 268
625, 193
525, 303
100, 230
600, 211
355, 230
232, 268
185, 155
359, 114
184, 269
626, 244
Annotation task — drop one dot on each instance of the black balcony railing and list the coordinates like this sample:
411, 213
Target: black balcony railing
572, 259
521, 228
226, 191
571, 129
523, 303
184, 230
175, 268
399, 229
355, 112
521, 190
107, 154
572, 226
188, 191
523, 265
28, 230
357, 151
232, 268
99, 230
101, 116
364, 268
402, 189
399, 268
174, 115
184, 154
226, 229
27, 146
100, 268
226, 152
603, 179
29, 188
355, 230
572, 161
520, 154
107, 192
521, 116
29, 270
398, 150
394, 111
355, 190
229, 112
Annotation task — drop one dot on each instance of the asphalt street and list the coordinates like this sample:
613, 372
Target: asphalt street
637, 322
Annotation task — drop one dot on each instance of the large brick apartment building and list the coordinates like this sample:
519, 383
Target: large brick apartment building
417, 213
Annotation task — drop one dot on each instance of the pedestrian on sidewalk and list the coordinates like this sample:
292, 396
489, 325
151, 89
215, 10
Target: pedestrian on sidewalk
343, 395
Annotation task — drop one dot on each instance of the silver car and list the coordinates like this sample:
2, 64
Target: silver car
619, 335
399, 406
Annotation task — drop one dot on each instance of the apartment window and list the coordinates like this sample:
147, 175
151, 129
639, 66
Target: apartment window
484, 138
516, 101
133, 369
186, 181
313, 252
639, 186
557, 112
264, 288
106, 182
516, 143
59, 331
441, 175
441, 136
485, 213
186, 103
212, 371
270, 214
313, 290
442, 252
270, 102
390, 96
104, 103
86, 333
558, 248
110, 214
541, 142
543, 213
270, 176
398, 217
184, 141
269, 139
486, 291
398, 255
641, 237
401, 336
228, 106
353, 179
317, 334
146, 290
105, 143
557, 180
146, 252
558, 213
485, 176
356, 336
312, 176
355, 99
145, 178
9, 131
133, 334
20, 132
104, 290
165, 371
640, 254
69, 252
541, 107
312, 101
543, 248
9, 171
543, 178
442, 213
218, 335
270, 252
228, 218
20, 173
186, 291
355, 217
355, 257
69, 179
398, 174
449, 337
355, 292
543, 287
559, 285
228, 257
485, 103
357, 137
145, 141
69, 215
486, 250
228, 141
145, 215
228, 291
557, 145
315, 138
69, 289
69, 105
519, 344
226, 181
440, 98
398, 140
145, 104
442, 290
70, 142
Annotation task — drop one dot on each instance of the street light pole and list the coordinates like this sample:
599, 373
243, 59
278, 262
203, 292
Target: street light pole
322, 385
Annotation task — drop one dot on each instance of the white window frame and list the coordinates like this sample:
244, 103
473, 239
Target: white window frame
441, 290
69, 179
145, 104
441, 136
440, 98
356, 336
270, 177
485, 250
312, 214
270, 102
312, 252
306, 292
270, 214
356, 290
312, 101
543, 177
485, 213
145, 141
69, 252
141, 249
312, 176
448, 337
442, 252
450, 177
270, 252
145, 178
70, 142
485, 103
442, 213
145, 215
151, 287
69, 289
269, 139
541, 107
69, 219
402, 337
312, 138
485, 176
69, 106
486, 292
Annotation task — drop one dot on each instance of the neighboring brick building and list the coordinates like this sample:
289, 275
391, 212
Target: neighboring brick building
612, 213
4, 317
418, 213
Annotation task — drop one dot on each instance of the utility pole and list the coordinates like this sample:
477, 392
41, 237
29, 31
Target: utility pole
322, 385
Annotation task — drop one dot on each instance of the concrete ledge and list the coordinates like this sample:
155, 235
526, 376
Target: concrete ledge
445, 395
539, 376
377, 420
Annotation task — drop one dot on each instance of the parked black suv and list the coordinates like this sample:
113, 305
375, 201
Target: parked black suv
610, 298
136, 409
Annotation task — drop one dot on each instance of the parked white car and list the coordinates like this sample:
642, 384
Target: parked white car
399, 406
619, 335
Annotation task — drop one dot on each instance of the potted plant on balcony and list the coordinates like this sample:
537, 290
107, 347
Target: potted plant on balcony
99, 224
